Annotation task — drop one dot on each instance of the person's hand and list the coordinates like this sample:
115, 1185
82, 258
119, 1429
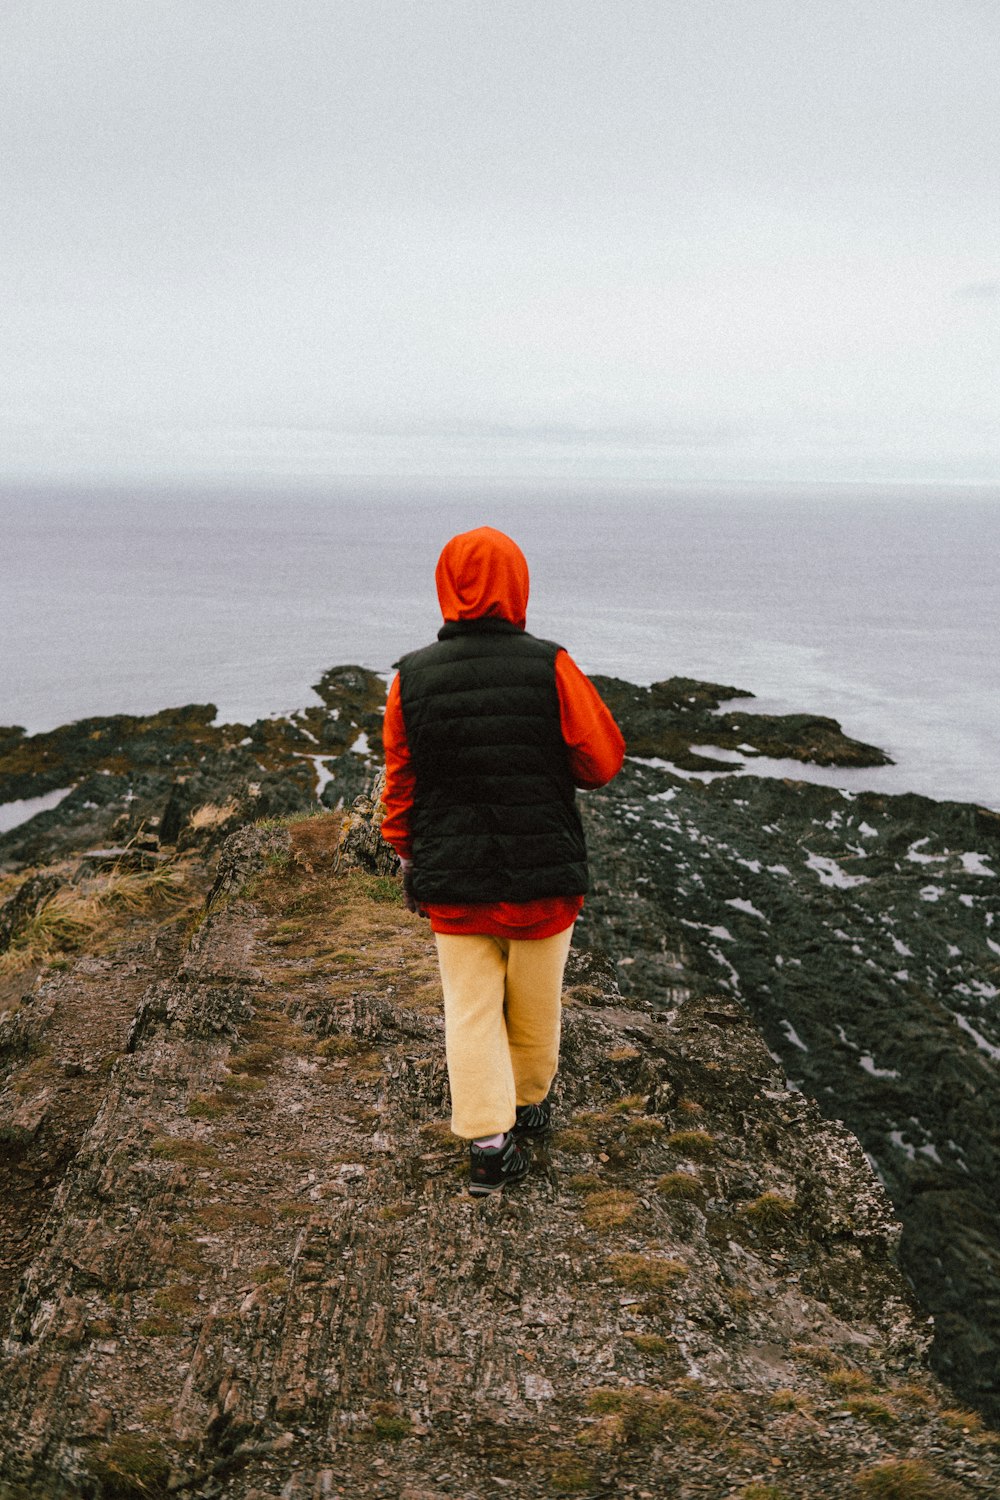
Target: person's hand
409, 899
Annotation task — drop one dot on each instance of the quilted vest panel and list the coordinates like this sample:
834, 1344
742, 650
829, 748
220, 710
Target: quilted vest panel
494, 816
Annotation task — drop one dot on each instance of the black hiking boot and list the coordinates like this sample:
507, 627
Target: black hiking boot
494, 1167
533, 1119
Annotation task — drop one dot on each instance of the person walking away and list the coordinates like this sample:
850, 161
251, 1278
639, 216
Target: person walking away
488, 732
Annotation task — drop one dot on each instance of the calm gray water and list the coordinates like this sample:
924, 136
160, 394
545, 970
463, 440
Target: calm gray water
879, 606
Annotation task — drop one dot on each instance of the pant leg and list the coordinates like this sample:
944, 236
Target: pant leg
473, 972
534, 1012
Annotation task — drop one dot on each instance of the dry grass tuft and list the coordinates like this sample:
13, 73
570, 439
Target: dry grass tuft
683, 1185
653, 1273
609, 1208
213, 814
639, 1414
191, 1152
873, 1409
842, 1378
785, 1399
962, 1421
652, 1343
769, 1212
256, 1060
905, 1479
584, 1182
573, 1142
131, 1465
696, 1144
818, 1355
914, 1395
92, 913
315, 840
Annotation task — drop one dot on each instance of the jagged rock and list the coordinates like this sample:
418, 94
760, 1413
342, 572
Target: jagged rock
668, 717
361, 843
29, 897
858, 929
244, 857
187, 778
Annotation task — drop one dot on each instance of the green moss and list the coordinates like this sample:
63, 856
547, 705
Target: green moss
244, 1083
157, 1326
392, 1428
192, 1152
566, 1475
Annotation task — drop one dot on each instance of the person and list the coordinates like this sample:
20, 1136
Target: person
487, 734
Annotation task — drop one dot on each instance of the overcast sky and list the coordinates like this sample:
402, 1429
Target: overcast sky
679, 240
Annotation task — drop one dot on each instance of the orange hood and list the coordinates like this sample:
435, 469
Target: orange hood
482, 574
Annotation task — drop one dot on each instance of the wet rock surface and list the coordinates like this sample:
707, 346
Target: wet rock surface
670, 717
184, 779
862, 933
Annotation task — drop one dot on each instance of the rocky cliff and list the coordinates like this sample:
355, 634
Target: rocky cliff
235, 1253
862, 931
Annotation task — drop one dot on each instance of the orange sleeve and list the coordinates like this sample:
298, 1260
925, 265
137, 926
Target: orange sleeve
595, 743
399, 776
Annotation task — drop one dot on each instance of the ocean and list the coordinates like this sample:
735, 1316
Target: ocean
876, 605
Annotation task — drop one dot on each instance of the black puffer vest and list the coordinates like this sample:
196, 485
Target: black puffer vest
494, 815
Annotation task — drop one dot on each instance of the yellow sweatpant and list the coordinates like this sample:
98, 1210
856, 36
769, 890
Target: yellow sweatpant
502, 1015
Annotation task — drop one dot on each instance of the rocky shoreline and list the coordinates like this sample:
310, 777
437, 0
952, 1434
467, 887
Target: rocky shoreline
857, 929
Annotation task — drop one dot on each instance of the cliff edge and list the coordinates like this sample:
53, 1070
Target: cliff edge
243, 1263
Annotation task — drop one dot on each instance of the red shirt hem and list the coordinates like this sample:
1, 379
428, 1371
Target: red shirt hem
510, 919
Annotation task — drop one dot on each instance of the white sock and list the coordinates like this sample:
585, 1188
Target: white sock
491, 1142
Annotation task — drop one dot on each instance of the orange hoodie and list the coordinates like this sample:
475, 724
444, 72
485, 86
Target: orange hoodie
483, 574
